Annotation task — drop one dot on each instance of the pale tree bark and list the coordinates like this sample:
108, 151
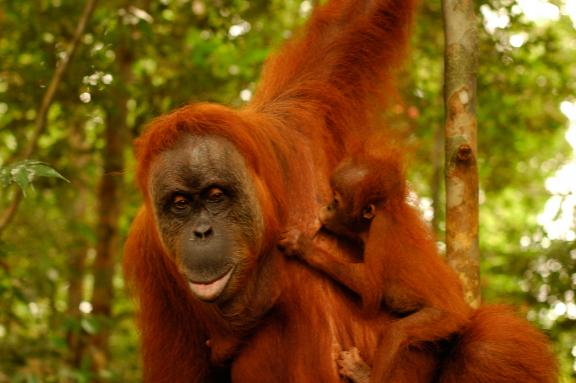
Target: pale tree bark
42, 115
461, 145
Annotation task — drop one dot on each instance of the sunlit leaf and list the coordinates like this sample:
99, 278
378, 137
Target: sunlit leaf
43, 170
21, 176
89, 325
23, 173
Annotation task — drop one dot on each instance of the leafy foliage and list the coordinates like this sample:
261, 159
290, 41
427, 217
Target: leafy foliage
139, 59
23, 173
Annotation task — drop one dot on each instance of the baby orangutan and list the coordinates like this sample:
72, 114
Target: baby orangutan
401, 271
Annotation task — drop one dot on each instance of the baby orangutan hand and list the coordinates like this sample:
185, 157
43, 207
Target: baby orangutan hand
293, 243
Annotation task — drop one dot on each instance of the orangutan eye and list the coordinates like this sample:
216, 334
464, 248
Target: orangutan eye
336, 199
180, 203
215, 195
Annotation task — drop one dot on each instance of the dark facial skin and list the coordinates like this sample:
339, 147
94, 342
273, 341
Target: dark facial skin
337, 216
208, 215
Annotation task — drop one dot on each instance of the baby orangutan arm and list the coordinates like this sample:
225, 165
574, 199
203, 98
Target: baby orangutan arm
322, 253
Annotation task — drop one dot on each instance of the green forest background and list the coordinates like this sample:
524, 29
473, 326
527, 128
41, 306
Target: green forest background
64, 311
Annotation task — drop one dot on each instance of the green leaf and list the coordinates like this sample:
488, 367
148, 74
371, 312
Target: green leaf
23, 173
43, 170
20, 177
89, 325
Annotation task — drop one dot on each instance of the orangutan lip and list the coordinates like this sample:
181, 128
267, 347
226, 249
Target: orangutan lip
210, 290
213, 280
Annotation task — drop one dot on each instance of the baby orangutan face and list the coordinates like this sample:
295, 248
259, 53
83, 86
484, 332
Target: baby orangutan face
339, 216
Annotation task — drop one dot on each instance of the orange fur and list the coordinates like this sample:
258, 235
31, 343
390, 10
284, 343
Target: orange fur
499, 347
316, 100
401, 271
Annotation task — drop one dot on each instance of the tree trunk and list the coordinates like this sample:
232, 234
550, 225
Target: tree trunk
107, 235
461, 148
110, 202
75, 336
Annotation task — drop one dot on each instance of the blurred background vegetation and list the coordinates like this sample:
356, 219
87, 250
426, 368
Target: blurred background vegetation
64, 312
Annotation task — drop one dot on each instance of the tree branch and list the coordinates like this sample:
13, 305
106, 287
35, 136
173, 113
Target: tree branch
461, 166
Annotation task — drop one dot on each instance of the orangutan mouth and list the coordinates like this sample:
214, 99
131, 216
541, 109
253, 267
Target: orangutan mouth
210, 290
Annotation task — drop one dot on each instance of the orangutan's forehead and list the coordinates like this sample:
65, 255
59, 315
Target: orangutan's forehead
202, 159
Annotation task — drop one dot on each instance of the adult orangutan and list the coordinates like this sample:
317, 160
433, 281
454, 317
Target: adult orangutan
219, 186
